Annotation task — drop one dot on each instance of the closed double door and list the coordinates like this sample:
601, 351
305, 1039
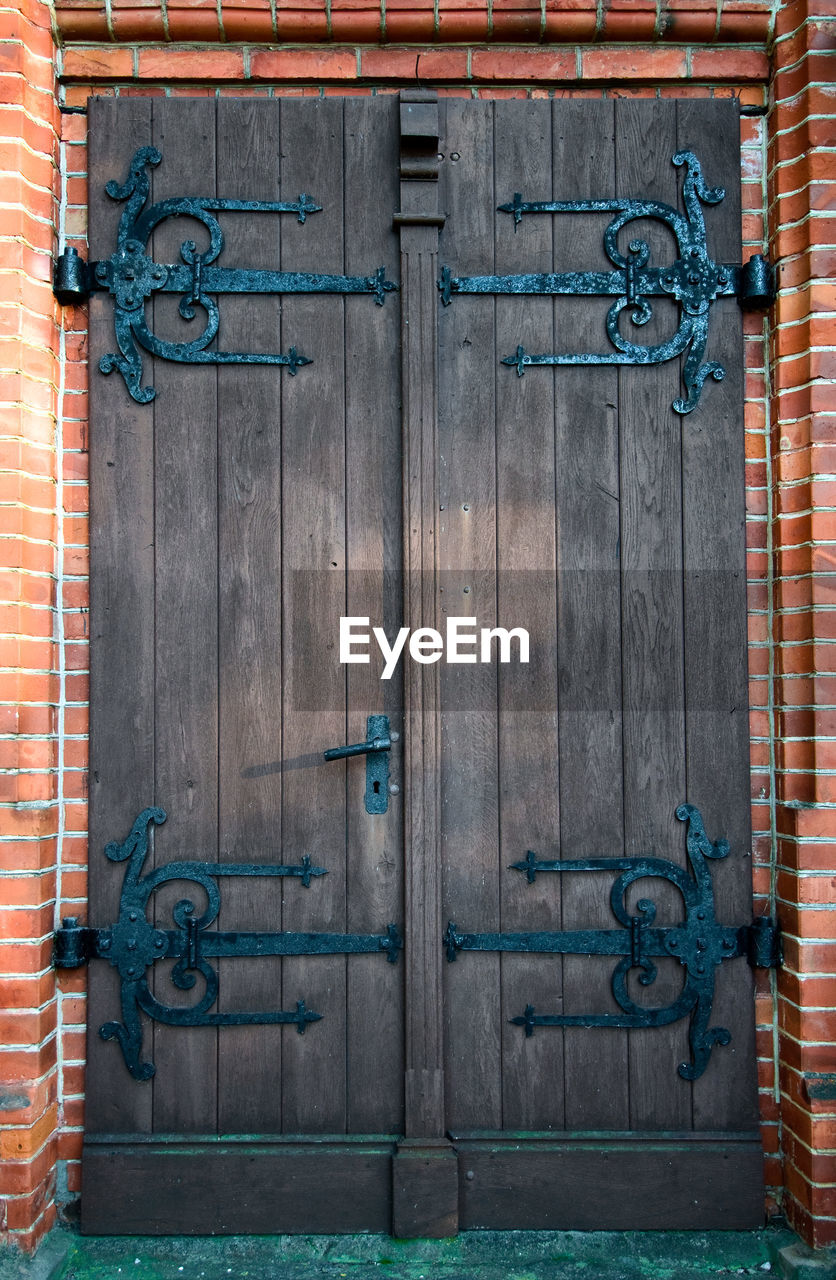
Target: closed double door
407, 476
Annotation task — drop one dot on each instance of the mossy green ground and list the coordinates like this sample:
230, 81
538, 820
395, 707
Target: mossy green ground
475, 1255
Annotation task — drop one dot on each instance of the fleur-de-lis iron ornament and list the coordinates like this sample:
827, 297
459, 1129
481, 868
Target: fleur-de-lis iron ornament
694, 281
132, 945
132, 277
699, 943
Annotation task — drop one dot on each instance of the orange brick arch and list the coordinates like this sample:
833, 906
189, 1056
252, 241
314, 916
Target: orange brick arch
773, 56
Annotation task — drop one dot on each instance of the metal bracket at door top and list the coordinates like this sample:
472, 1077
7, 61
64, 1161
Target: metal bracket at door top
699, 943
694, 281
132, 277
133, 945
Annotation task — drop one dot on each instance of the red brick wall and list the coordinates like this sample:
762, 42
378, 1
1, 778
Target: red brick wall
29, 680
577, 47
802, 224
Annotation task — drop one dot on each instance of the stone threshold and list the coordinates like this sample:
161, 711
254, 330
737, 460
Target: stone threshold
472, 1255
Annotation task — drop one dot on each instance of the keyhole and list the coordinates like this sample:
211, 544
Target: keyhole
376, 787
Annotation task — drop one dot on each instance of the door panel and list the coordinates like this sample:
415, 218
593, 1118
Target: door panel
250, 543
239, 515
578, 504
587, 518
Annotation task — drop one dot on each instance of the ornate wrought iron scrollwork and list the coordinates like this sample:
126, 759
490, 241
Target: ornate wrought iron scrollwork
133, 945
700, 943
132, 277
694, 281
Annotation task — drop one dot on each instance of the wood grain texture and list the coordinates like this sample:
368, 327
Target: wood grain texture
249, 614
238, 517
313, 598
185, 534
589, 615
651, 619
121, 617
526, 596
195, 1187
424, 1074
374, 541
467, 555
716, 686
629, 1182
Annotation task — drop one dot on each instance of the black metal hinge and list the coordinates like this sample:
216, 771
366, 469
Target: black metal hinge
699, 943
133, 945
132, 277
694, 281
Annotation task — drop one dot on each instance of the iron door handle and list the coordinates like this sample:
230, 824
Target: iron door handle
379, 740
380, 743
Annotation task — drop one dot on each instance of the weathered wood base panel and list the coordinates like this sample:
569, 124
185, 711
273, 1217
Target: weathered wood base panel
610, 1183
425, 1190
171, 1185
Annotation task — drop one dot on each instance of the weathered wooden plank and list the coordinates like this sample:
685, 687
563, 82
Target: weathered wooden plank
313, 598
375, 1029
589, 615
651, 615
532, 1069
467, 556
630, 1182
207, 1188
249, 612
185, 545
424, 1173
121, 617
716, 690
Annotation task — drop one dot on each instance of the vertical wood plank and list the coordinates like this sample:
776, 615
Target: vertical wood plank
121, 619
651, 616
467, 555
424, 1119
375, 1027
716, 690
532, 1068
425, 1189
589, 616
185, 540
313, 598
249, 610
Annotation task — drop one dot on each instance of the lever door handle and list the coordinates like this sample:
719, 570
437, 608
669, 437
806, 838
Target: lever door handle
380, 742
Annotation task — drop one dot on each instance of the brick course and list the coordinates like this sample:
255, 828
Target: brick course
29, 347
570, 47
802, 230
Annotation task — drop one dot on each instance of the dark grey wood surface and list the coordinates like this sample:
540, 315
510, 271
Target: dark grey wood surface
238, 517
374, 848
634, 514
122, 594
588, 618
652, 660
186, 616
467, 558
250, 708
610, 1182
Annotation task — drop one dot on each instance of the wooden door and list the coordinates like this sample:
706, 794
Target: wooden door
406, 475
234, 520
578, 504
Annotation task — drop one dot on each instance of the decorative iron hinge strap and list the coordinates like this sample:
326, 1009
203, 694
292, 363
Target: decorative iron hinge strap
132, 277
700, 943
133, 944
694, 281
